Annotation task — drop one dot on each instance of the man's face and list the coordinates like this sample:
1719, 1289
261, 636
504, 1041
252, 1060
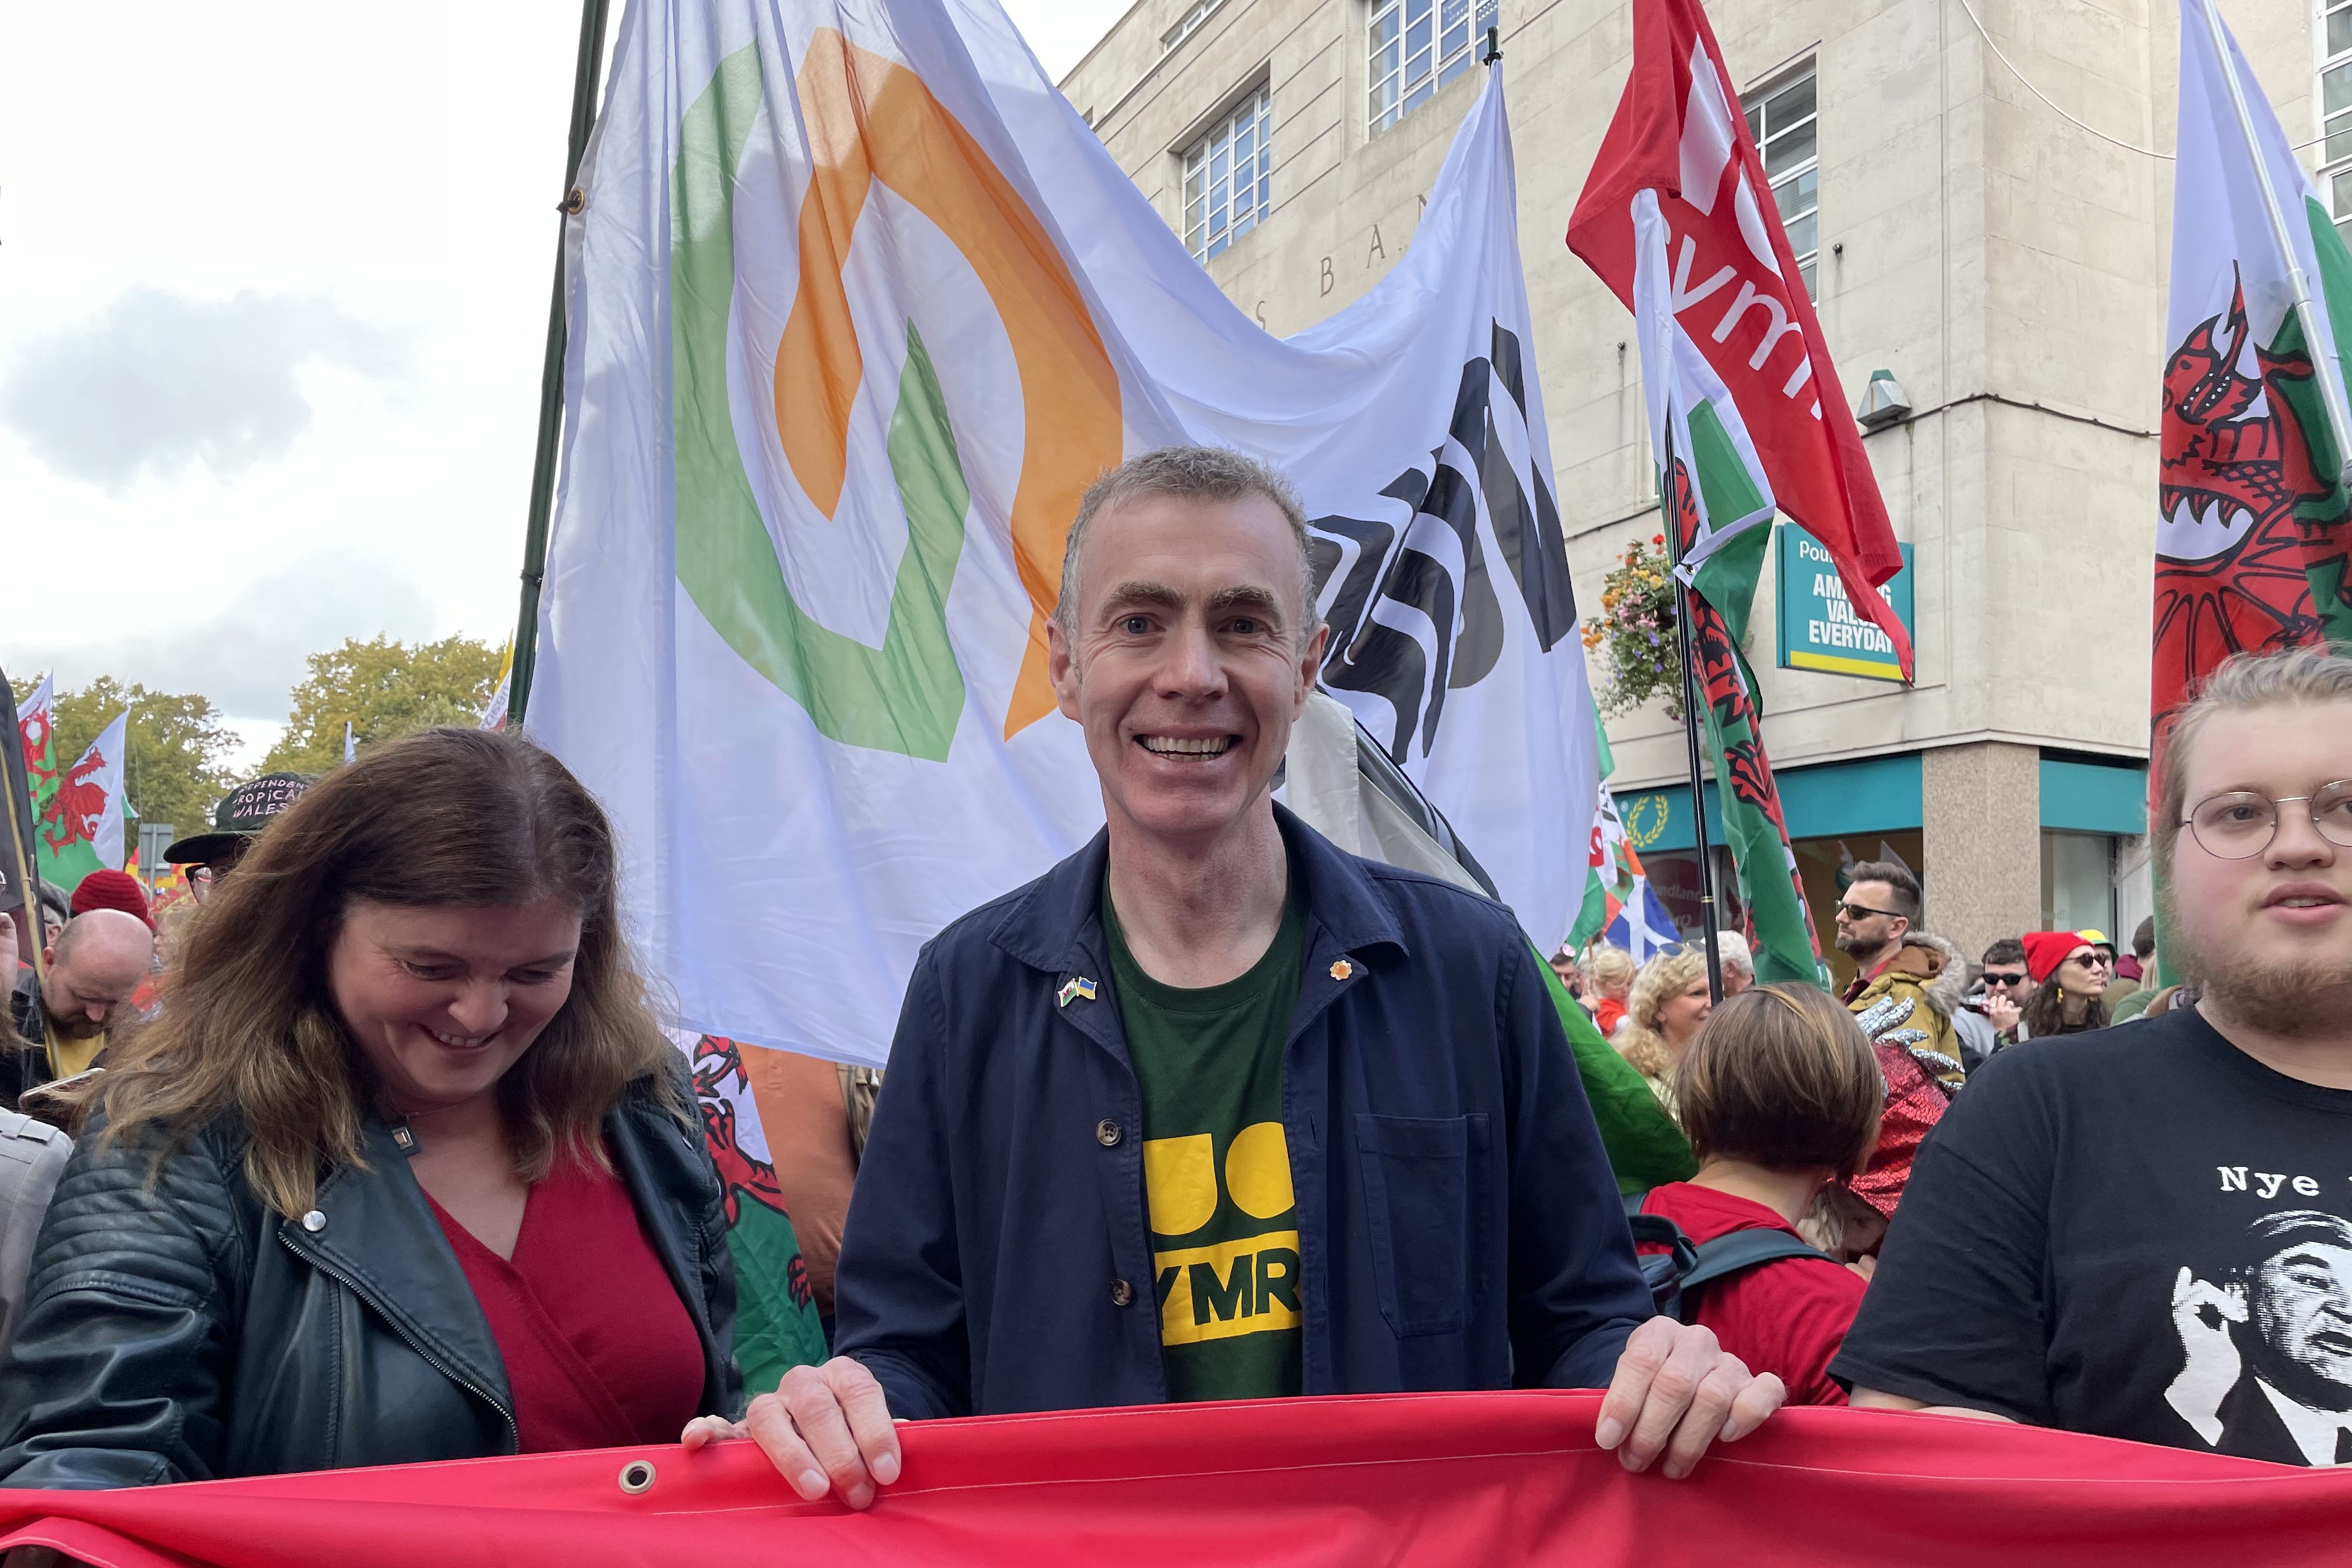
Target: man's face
1863, 929
1187, 669
83, 994
2302, 1311
2268, 935
2008, 978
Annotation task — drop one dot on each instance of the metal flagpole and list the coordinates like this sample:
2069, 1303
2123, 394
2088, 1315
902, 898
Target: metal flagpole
1690, 715
590, 66
2331, 388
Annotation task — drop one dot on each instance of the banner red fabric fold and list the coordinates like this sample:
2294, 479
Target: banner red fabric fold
1414, 1479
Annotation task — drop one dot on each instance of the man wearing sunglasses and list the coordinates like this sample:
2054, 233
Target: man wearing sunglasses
2147, 1233
1875, 923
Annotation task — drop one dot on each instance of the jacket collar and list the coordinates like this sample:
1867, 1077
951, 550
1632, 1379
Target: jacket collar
1057, 924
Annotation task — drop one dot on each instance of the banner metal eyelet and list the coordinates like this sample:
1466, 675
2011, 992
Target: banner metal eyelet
638, 1476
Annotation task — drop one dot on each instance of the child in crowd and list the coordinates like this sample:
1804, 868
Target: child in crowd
1781, 1095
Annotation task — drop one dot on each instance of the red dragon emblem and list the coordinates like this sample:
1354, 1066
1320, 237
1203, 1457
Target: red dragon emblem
72, 815
2250, 522
720, 1081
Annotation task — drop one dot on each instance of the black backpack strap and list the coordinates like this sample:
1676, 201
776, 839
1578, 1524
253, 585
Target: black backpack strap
1746, 1249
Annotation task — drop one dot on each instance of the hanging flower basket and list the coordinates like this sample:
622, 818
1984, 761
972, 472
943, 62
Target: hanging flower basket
1634, 632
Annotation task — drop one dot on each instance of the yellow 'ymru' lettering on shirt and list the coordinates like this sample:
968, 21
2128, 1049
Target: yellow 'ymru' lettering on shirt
1240, 1285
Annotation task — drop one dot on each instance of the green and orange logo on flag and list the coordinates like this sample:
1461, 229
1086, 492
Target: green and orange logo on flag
872, 126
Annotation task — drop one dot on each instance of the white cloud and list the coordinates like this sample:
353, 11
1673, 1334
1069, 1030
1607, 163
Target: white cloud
158, 382
246, 652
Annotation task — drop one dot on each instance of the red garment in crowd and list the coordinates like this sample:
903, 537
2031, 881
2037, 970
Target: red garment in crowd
1787, 1318
1914, 1104
600, 1351
1608, 1016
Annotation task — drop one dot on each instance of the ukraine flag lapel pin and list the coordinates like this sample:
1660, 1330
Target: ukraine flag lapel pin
1079, 988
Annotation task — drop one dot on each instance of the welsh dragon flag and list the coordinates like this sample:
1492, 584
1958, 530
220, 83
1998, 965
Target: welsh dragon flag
1671, 219
2256, 523
858, 308
79, 822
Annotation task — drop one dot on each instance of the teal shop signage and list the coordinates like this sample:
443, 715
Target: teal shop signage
1818, 629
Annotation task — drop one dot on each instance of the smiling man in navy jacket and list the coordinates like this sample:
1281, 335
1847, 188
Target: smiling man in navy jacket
1214, 1110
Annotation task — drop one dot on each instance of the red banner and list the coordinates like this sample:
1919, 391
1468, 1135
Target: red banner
1476, 1479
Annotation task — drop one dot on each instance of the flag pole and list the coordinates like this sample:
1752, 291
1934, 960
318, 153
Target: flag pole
2331, 388
585, 72
1667, 507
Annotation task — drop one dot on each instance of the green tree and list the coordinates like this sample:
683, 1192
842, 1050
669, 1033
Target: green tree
178, 745
383, 689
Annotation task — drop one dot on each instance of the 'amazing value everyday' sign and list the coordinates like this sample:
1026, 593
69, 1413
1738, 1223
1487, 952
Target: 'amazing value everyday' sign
1818, 629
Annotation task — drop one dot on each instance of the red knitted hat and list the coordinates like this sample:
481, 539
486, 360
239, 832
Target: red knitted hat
111, 889
2046, 950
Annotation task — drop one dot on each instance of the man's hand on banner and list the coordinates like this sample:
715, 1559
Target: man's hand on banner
1675, 1392
827, 1428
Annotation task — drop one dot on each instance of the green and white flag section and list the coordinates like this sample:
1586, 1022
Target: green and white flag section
858, 308
2254, 521
77, 810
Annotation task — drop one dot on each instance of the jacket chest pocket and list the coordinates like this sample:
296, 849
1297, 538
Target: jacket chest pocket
1420, 1178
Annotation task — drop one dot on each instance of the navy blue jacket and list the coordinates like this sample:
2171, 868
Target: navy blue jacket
1458, 1226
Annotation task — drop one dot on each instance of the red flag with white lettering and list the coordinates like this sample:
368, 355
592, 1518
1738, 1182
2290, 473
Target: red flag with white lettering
1679, 131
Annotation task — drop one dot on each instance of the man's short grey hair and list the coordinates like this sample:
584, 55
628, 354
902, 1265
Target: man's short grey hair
1732, 948
1188, 473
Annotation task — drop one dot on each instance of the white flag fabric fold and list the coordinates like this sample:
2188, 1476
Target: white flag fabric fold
859, 306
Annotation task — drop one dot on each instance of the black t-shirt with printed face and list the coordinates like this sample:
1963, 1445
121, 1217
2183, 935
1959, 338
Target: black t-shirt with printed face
2141, 1233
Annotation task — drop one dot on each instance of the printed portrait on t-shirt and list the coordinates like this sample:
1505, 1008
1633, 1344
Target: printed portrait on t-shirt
2266, 1342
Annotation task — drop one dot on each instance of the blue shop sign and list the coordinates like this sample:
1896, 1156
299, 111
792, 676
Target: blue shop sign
1818, 629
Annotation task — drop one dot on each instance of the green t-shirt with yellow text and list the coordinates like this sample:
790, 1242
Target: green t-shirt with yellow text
1216, 1166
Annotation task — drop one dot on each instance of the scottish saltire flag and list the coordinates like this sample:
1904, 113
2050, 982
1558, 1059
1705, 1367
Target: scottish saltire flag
78, 829
2254, 521
858, 308
1641, 923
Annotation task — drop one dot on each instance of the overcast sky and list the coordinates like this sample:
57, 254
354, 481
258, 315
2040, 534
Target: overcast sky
273, 296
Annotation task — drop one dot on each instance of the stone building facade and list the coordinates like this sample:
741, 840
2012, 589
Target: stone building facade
2005, 263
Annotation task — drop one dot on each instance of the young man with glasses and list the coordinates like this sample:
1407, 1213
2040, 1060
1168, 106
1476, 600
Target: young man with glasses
2148, 1233
2007, 985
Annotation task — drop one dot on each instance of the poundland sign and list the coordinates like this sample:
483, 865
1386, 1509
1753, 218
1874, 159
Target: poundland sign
1818, 629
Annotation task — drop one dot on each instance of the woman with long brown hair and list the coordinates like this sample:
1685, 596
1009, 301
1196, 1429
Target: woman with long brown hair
2070, 984
404, 1170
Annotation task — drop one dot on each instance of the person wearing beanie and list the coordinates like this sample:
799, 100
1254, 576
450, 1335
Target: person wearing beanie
2070, 979
108, 889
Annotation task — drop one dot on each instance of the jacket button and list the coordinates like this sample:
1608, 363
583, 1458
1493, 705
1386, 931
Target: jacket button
1121, 1292
314, 1222
1106, 1133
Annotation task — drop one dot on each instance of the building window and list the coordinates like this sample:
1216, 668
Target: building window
1198, 12
2335, 111
1782, 123
1418, 47
1227, 173
2078, 881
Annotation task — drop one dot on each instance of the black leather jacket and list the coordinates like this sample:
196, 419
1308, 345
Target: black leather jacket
181, 1331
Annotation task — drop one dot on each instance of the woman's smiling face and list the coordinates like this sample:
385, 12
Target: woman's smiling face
443, 1001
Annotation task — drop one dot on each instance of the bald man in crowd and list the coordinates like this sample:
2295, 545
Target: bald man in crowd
62, 1021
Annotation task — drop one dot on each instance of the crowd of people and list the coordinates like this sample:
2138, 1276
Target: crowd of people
402, 1166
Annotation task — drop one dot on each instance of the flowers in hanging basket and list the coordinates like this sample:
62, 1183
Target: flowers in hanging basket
1634, 632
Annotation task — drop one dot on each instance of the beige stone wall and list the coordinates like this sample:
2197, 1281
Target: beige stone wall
2007, 266
1982, 810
